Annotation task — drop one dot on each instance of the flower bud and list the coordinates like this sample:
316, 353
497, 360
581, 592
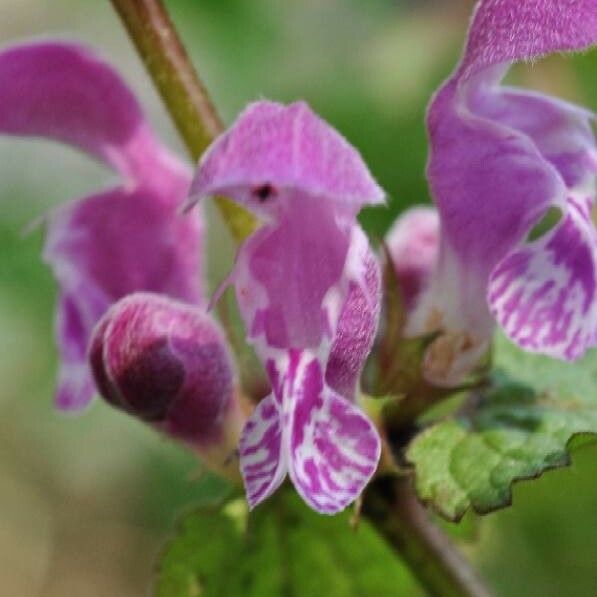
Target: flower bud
413, 244
167, 363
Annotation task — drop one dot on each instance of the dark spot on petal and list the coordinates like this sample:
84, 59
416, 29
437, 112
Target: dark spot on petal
263, 192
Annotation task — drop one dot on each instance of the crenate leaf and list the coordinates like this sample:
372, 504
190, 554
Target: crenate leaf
505, 433
285, 549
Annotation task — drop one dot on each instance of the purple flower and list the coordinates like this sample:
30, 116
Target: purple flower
501, 160
412, 244
296, 278
167, 363
119, 240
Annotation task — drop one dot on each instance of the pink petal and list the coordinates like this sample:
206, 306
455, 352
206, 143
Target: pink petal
262, 463
357, 324
491, 185
512, 30
272, 150
562, 132
64, 92
334, 448
413, 245
544, 295
115, 242
284, 273
105, 247
75, 319
167, 363
300, 277
500, 159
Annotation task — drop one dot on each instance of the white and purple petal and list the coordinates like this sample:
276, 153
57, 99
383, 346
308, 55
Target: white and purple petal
500, 160
326, 444
544, 295
262, 460
333, 447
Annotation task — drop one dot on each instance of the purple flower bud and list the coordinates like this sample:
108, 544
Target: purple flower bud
413, 243
167, 363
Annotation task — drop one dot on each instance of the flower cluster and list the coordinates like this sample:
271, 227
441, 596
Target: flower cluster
307, 282
132, 321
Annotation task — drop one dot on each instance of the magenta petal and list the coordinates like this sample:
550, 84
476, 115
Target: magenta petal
511, 30
115, 242
334, 448
107, 246
500, 159
74, 322
307, 286
491, 183
545, 294
357, 324
562, 132
293, 265
262, 462
167, 363
64, 92
272, 149
413, 245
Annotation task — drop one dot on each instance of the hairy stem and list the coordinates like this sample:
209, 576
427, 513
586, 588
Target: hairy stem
392, 507
185, 96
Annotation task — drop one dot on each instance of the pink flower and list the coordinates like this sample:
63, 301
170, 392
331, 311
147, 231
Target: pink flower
307, 284
501, 159
119, 240
412, 244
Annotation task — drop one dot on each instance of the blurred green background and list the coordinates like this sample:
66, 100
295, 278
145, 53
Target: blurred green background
86, 501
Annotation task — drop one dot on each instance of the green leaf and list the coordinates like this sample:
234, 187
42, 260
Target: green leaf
509, 432
285, 549
574, 381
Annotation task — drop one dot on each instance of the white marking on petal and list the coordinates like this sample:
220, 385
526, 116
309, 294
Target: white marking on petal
333, 449
545, 294
262, 463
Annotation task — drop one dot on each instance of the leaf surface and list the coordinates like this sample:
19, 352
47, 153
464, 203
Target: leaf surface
284, 550
513, 430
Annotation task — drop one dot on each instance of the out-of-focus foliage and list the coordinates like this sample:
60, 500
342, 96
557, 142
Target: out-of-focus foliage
88, 501
285, 549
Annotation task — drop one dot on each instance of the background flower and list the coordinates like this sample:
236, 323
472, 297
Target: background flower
130, 237
500, 158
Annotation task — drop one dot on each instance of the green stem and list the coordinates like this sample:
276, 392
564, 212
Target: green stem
392, 507
185, 96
